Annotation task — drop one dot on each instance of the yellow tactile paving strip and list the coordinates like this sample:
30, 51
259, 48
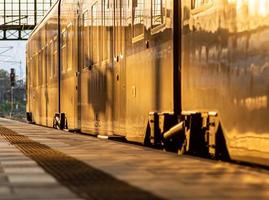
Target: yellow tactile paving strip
84, 180
163, 174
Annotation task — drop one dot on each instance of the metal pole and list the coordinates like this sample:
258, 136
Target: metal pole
59, 56
5, 36
35, 11
11, 102
20, 18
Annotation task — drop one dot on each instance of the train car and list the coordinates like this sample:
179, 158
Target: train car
189, 75
42, 70
225, 72
97, 87
50, 88
120, 80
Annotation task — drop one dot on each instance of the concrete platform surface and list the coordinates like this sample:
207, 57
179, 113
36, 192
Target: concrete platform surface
44, 163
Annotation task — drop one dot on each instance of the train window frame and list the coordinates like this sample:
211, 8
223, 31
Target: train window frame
93, 60
51, 51
36, 69
55, 55
86, 38
201, 6
107, 6
43, 64
32, 68
39, 71
138, 37
159, 27
106, 43
29, 69
64, 51
69, 46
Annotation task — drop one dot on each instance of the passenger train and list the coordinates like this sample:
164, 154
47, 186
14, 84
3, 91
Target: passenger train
191, 75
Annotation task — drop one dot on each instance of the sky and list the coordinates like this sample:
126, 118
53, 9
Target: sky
12, 55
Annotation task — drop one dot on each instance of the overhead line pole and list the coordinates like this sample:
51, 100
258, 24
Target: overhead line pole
5, 34
19, 18
35, 14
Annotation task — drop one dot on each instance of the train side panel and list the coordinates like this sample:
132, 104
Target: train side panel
42, 70
52, 68
149, 64
96, 68
69, 63
33, 84
126, 65
225, 57
42, 77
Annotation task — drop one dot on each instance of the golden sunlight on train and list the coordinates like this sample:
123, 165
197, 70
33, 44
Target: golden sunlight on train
255, 7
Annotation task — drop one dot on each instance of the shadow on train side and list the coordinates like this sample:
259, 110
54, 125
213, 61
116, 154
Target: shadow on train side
98, 94
97, 97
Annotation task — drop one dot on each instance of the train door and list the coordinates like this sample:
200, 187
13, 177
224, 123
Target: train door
119, 97
68, 69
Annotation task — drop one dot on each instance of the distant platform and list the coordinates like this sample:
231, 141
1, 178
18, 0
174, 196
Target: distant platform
43, 163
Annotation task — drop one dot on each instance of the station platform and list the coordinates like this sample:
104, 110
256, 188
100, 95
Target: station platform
43, 163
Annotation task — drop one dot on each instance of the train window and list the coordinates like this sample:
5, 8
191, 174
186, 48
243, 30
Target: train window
55, 54
138, 19
43, 65
64, 51
107, 29
29, 71
51, 59
39, 68
158, 13
35, 66
199, 4
106, 4
94, 31
33, 70
86, 37
69, 46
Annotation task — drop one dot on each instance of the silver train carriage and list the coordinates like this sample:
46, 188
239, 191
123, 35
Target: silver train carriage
186, 74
